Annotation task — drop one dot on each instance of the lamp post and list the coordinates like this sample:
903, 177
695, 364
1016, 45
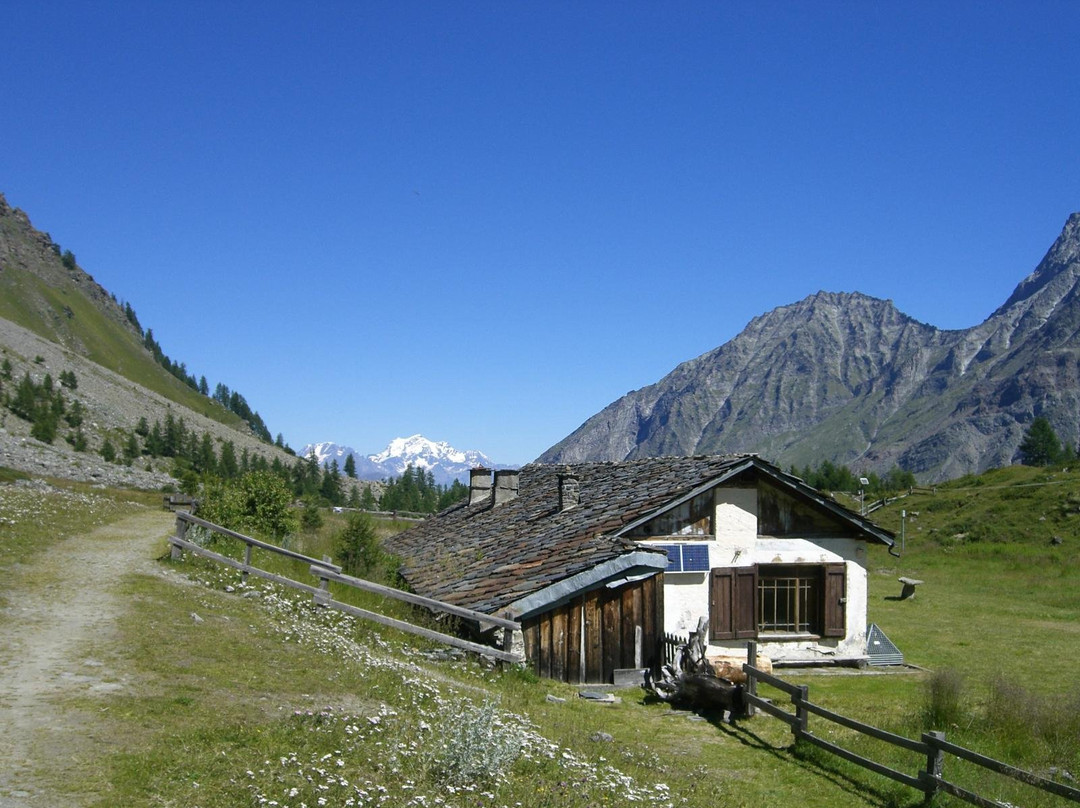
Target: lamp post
863, 482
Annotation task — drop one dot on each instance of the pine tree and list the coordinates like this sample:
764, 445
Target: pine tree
1040, 446
350, 467
130, 449
206, 459
227, 465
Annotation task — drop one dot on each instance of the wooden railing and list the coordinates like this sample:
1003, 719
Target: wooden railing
325, 572
933, 745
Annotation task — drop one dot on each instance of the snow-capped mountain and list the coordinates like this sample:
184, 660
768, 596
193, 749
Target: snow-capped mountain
445, 463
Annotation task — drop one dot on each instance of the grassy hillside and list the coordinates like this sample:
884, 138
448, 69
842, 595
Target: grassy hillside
64, 304
265, 700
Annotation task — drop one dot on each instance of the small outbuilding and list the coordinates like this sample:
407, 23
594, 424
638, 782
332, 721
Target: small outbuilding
599, 560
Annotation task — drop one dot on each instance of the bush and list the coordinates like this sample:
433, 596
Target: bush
356, 546
257, 503
476, 745
310, 517
943, 706
44, 428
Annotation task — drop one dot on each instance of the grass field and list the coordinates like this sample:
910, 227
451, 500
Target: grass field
268, 701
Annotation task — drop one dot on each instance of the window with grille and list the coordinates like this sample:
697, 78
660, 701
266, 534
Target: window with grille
773, 599
789, 599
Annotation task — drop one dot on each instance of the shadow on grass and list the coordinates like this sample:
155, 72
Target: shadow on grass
820, 763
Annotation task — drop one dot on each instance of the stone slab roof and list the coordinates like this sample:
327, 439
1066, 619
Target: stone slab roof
486, 557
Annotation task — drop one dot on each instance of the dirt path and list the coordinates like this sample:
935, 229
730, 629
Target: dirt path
64, 601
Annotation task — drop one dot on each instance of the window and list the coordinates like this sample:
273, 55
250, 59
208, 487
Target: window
774, 599
691, 519
789, 599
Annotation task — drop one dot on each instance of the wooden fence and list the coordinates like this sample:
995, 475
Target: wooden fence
325, 572
672, 643
932, 745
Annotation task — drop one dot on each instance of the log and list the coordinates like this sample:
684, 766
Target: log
701, 692
731, 667
692, 682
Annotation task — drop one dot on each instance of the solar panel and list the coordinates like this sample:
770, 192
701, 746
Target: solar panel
686, 557
695, 558
674, 557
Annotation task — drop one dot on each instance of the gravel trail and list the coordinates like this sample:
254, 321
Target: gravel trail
61, 601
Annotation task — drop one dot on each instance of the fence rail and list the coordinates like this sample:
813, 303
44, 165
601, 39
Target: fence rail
325, 572
932, 744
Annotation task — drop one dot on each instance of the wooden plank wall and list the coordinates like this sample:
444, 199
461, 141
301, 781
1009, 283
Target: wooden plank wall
587, 639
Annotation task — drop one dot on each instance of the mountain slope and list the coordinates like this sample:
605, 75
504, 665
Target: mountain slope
55, 319
65, 305
849, 378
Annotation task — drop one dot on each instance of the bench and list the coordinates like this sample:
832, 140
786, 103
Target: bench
909, 587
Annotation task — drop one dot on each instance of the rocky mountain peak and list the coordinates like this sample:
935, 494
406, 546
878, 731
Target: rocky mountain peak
1062, 259
849, 378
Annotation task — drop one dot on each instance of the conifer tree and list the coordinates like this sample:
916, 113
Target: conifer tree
227, 464
1040, 446
130, 448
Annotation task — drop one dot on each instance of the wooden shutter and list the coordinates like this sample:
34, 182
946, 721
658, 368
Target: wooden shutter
746, 599
721, 604
733, 603
835, 600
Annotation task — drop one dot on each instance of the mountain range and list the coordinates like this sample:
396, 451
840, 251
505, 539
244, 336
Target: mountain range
837, 376
445, 463
849, 378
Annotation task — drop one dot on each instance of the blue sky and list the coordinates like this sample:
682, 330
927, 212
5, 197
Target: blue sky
484, 222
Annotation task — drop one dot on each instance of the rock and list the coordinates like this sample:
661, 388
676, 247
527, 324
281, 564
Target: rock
555, 699
196, 618
602, 737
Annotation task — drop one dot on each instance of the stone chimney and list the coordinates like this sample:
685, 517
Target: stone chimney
569, 491
479, 485
506, 485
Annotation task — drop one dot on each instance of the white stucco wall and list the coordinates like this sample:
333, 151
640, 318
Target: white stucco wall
736, 543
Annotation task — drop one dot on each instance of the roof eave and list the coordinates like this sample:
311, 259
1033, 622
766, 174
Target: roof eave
635, 562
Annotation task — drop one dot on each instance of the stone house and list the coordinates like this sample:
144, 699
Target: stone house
599, 560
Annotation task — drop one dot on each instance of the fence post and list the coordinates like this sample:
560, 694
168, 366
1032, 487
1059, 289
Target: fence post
802, 715
181, 532
247, 562
322, 597
935, 764
751, 680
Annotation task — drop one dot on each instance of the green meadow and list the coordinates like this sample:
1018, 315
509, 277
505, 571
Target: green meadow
266, 700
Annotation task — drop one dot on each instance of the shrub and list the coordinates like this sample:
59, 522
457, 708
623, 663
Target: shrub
476, 745
310, 517
356, 546
258, 502
943, 706
44, 428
